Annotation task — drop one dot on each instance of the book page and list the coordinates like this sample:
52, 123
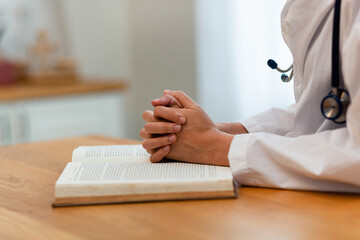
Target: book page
109, 178
132, 153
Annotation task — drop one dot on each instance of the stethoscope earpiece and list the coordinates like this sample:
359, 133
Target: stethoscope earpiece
285, 78
272, 64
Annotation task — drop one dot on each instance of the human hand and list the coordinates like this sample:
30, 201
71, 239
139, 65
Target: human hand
231, 128
159, 132
199, 140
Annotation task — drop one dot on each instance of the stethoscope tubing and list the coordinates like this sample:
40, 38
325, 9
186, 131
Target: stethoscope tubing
286, 70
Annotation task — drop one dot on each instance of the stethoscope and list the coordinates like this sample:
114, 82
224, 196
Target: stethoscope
334, 105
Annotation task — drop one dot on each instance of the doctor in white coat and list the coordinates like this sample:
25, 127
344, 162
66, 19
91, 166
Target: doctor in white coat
296, 148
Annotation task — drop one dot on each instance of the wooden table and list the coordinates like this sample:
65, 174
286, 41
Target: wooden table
28, 173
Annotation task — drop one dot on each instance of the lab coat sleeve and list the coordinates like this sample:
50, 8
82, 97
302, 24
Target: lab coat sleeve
277, 121
324, 161
328, 161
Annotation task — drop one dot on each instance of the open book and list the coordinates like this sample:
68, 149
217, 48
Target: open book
124, 173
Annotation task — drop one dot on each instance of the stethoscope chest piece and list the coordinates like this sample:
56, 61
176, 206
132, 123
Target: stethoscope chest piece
334, 105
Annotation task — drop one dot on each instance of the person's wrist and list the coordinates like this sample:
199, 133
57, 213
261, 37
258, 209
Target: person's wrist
221, 126
220, 145
232, 128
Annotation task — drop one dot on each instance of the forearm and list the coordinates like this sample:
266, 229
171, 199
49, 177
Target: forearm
232, 128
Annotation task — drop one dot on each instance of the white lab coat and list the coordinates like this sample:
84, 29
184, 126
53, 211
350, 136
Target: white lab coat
297, 148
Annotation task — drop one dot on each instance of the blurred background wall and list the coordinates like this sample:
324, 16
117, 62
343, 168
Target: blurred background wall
149, 44
215, 51
235, 38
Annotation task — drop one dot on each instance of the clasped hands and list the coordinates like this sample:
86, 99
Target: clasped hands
179, 129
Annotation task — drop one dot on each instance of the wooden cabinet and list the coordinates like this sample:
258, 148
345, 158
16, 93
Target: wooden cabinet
61, 116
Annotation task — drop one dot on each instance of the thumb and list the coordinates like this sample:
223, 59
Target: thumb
183, 99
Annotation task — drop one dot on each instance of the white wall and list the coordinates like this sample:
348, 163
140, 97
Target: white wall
215, 60
97, 34
235, 38
150, 43
163, 50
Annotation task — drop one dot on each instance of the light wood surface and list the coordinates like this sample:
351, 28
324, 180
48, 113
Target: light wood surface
30, 91
28, 173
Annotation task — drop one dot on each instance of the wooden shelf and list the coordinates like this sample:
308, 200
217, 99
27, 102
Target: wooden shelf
28, 91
